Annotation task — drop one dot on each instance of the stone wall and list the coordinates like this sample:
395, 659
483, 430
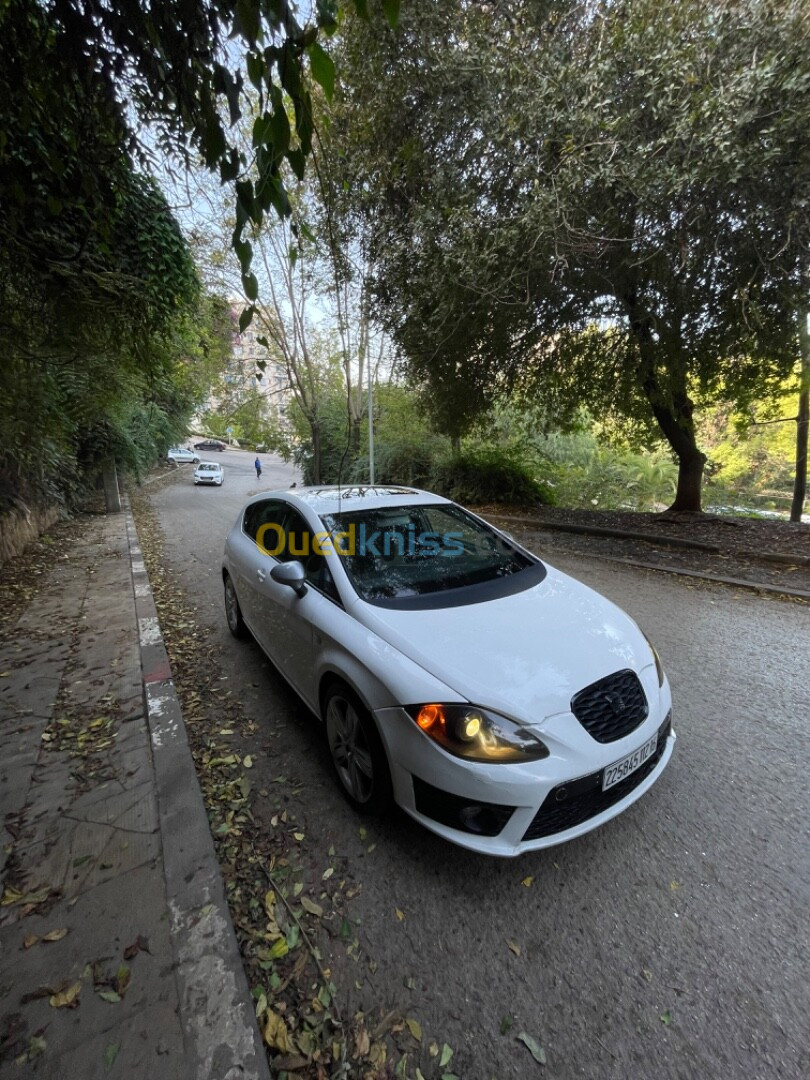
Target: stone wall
21, 524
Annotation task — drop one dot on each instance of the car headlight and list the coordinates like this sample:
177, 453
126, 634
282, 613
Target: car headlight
657, 659
476, 734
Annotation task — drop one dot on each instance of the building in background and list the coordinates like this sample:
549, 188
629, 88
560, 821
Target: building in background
244, 387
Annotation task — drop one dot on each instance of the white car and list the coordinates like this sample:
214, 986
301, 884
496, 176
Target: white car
500, 702
209, 472
179, 455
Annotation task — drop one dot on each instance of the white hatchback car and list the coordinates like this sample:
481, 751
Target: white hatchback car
209, 472
500, 702
180, 455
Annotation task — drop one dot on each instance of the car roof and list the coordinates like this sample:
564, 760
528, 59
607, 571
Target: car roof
331, 499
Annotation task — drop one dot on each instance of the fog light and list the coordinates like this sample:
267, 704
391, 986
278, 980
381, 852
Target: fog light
470, 818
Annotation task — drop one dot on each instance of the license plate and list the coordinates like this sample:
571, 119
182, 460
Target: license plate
616, 772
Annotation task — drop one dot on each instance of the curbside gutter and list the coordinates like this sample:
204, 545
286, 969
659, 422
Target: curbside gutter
719, 579
661, 539
222, 1040
678, 571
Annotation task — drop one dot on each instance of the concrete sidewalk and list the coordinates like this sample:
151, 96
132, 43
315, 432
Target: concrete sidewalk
117, 953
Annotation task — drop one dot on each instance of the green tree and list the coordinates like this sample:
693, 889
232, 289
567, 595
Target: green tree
602, 204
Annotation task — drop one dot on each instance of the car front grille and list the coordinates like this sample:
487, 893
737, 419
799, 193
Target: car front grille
467, 815
568, 805
612, 707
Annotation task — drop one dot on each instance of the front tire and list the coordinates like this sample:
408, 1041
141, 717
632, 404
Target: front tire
357, 752
233, 612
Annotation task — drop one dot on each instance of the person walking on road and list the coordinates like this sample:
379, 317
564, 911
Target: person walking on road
258, 466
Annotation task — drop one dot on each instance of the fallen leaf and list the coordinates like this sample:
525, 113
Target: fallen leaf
675, 885
278, 949
362, 1044
527, 881
447, 1054
534, 1048
55, 935
299, 836
377, 1055
415, 1028
400, 915
311, 907
275, 1033
327, 874
514, 947
110, 1054
433, 1049
109, 996
666, 1017
67, 999
248, 762
647, 974
29, 940
36, 1047
121, 980
140, 944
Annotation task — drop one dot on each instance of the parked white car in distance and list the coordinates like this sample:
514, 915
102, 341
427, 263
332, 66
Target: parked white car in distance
180, 455
209, 472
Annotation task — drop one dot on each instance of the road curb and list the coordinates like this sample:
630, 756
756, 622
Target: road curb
222, 1039
779, 557
679, 571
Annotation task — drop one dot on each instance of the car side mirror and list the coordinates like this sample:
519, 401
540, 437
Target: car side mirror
292, 574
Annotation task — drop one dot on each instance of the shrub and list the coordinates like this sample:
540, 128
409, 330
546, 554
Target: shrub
488, 475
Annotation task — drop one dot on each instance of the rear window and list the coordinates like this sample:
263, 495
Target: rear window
428, 556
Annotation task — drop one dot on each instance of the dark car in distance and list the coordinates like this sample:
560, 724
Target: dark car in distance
210, 444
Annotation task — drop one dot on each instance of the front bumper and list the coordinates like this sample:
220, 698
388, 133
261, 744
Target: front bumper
506, 810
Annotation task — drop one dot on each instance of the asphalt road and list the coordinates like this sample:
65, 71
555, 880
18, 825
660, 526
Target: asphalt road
673, 942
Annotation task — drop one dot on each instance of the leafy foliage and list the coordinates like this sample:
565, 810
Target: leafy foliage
601, 204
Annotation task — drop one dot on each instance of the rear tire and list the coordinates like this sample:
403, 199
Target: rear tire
357, 752
233, 613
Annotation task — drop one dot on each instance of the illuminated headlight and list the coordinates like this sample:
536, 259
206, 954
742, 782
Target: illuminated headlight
476, 734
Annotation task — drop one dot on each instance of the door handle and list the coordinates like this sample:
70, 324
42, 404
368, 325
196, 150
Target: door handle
260, 574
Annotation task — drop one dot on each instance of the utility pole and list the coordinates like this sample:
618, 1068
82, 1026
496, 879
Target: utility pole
370, 427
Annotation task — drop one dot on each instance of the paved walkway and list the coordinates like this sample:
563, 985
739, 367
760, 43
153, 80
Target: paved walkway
117, 954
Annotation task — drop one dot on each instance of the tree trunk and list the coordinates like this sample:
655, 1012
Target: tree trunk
802, 423
316, 452
675, 415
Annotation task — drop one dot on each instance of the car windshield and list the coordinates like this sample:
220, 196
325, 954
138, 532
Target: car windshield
395, 555
208, 468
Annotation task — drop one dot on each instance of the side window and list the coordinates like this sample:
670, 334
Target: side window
300, 545
298, 540
268, 512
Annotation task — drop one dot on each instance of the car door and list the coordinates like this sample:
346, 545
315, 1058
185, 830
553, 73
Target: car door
261, 521
287, 618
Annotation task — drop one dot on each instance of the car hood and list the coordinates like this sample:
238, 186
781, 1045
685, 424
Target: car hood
524, 655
